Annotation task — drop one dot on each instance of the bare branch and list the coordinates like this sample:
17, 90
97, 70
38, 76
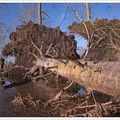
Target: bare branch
40, 52
113, 45
81, 20
36, 57
108, 27
98, 42
46, 14
88, 35
67, 87
39, 14
64, 14
113, 31
48, 50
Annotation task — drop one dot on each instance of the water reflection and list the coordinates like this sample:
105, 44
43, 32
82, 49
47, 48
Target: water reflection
5, 83
5, 97
38, 90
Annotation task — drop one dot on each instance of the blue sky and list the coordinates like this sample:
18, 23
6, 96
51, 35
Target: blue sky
10, 15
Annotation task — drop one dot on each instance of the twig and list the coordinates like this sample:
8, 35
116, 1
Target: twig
46, 53
78, 115
46, 14
36, 57
67, 87
56, 97
55, 52
86, 53
40, 52
96, 36
81, 20
90, 106
59, 94
98, 42
113, 31
57, 102
106, 113
108, 27
91, 23
87, 106
48, 50
107, 103
114, 46
66, 9
81, 104
89, 114
94, 98
34, 78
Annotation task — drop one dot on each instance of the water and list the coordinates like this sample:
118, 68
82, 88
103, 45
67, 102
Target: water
5, 97
37, 90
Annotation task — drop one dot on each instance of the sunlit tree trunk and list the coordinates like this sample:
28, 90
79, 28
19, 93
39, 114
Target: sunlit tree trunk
88, 11
99, 77
40, 23
39, 14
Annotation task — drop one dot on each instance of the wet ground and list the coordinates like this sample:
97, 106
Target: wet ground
37, 91
31, 100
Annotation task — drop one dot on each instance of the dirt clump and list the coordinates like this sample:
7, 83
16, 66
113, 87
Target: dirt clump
60, 45
104, 39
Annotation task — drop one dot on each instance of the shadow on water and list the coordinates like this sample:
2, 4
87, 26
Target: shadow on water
38, 90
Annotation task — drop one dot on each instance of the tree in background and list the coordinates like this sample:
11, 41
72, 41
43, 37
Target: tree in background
39, 13
1, 36
88, 12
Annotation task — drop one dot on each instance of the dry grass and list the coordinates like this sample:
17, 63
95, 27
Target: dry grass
66, 106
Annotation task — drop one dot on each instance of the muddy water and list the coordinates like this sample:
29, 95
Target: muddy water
38, 90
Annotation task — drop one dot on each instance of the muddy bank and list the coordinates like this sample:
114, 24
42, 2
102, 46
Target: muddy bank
39, 91
31, 99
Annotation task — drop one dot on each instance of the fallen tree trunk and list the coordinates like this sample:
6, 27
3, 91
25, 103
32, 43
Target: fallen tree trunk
103, 77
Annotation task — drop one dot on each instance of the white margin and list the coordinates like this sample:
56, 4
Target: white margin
60, 118
59, 1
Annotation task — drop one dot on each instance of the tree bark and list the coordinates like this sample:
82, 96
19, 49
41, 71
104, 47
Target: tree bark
2, 62
103, 77
39, 14
88, 11
40, 23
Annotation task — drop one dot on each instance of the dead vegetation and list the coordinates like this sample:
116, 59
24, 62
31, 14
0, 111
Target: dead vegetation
52, 40
103, 38
31, 41
66, 106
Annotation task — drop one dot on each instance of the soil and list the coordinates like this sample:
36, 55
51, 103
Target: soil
104, 39
69, 103
63, 46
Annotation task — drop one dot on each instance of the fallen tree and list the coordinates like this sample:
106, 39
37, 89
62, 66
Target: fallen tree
103, 37
102, 77
61, 46
27, 44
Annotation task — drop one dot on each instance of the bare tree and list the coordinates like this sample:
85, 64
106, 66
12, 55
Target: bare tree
39, 14
88, 11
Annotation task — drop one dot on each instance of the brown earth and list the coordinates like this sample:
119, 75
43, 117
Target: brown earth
63, 46
104, 39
